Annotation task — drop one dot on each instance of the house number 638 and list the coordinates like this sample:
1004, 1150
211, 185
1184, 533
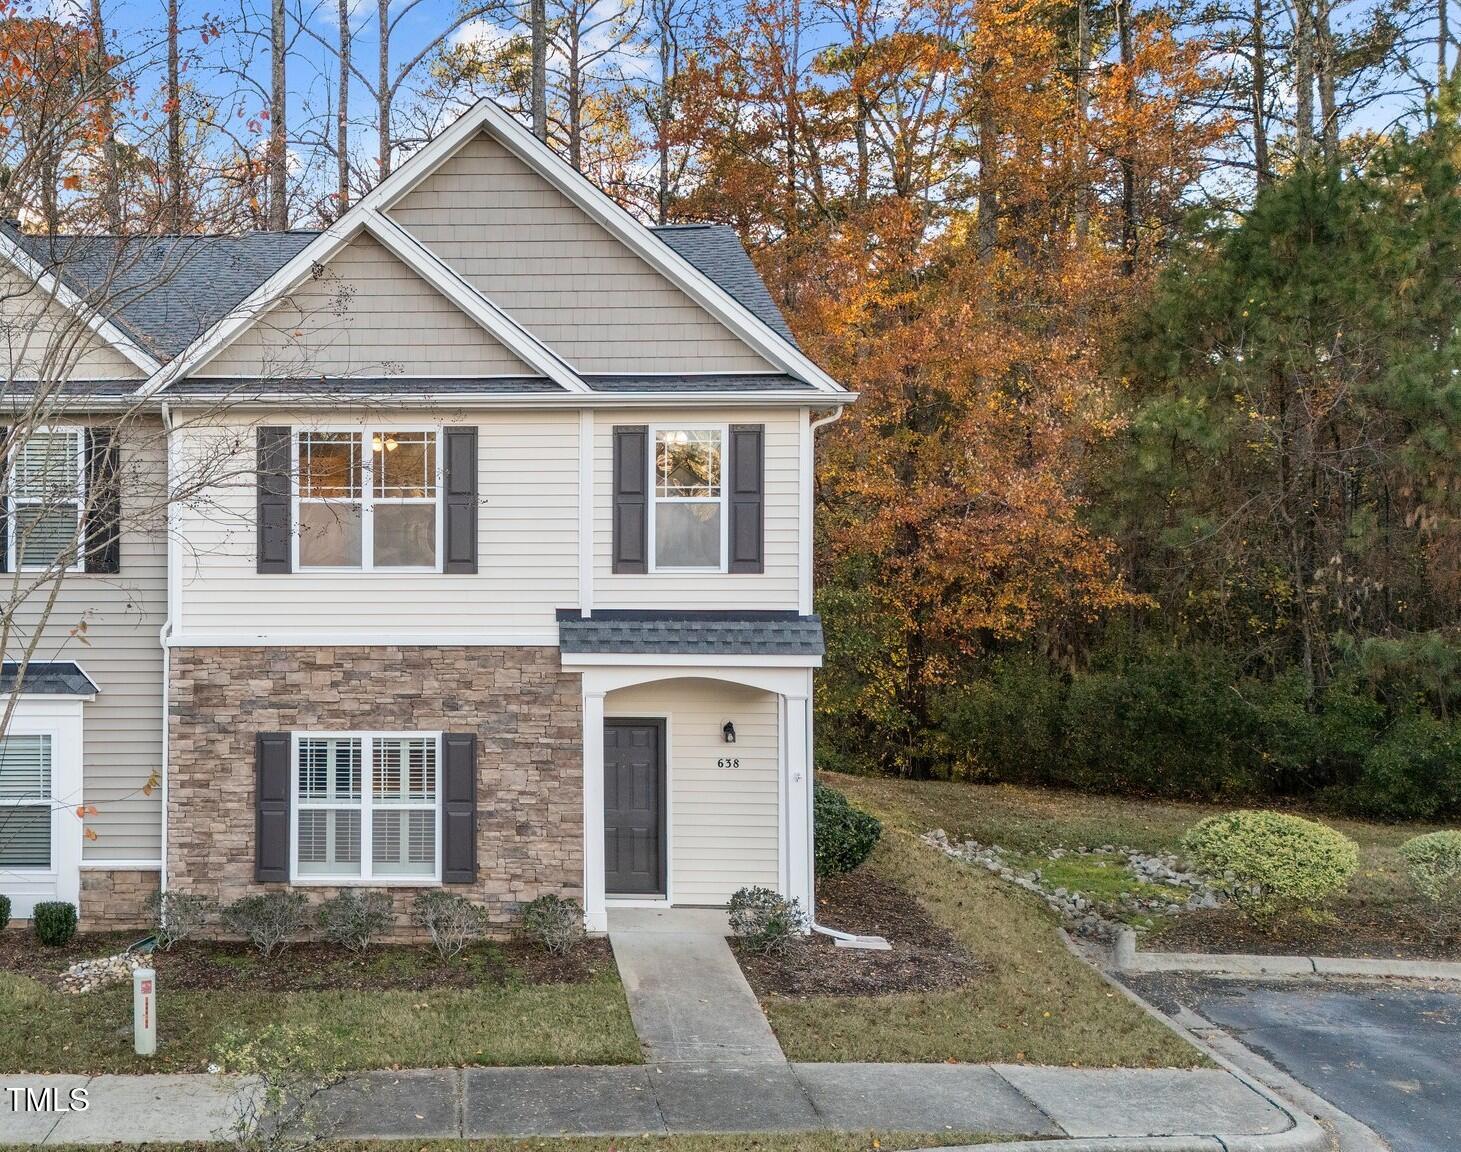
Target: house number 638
728, 762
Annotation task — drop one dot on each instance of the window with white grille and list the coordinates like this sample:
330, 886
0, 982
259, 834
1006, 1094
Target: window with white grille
46, 495
25, 801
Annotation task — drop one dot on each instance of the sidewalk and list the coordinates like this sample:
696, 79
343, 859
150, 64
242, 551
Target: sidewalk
1014, 1101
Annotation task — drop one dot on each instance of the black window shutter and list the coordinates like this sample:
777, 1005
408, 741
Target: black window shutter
461, 500
459, 808
4, 502
747, 497
271, 807
103, 532
273, 528
631, 498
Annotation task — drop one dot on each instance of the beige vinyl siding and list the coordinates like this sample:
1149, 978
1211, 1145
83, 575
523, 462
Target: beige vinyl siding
368, 314
540, 258
724, 829
527, 523
45, 341
120, 649
774, 588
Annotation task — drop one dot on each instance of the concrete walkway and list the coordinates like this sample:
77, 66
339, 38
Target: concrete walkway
1014, 1101
688, 999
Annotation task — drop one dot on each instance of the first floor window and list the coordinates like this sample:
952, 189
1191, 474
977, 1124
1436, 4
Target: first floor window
688, 498
366, 807
46, 495
367, 499
25, 801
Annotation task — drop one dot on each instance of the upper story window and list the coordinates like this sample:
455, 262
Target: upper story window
368, 499
688, 519
45, 497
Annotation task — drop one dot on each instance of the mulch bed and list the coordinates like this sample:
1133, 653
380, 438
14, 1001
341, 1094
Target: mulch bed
309, 966
924, 958
1358, 929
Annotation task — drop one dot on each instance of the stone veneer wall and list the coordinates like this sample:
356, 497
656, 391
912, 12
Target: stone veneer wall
113, 900
525, 710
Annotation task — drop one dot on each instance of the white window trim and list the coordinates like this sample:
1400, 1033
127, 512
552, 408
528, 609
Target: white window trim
14, 502
367, 877
59, 718
723, 430
367, 496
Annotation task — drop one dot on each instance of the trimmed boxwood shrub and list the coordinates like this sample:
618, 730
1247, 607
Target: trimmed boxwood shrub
1433, 863
1267, 862
844, 836
4, 913
54, 922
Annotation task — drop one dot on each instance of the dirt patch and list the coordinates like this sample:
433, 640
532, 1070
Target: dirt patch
924, 958
1396, 931
310, 966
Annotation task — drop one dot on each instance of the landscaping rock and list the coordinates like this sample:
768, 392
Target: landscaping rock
90, 975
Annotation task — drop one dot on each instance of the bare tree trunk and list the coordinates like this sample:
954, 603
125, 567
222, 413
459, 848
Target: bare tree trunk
342, 115
662, 113
1083, 119
1304, 80
175, 124
278, 137
575, 97
1443, 38
111, 188
1324, 72
539, 20
383, 91
1127, 161
987, 221
1260, 95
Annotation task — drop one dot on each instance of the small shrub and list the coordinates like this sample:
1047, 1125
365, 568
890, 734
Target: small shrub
282, 1076
554, 923
54, 922
452, 921
764, 921
1413, 772
1266, 862
844, 836
178, 916
354, 918
4, 913
1433, 863
267, 920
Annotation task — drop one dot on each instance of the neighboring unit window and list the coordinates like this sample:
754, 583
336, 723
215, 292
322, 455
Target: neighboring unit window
25, 801
688, 516
368, 499
47, 492
341, 807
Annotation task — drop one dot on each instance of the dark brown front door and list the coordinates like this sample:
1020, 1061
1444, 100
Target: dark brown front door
634, 807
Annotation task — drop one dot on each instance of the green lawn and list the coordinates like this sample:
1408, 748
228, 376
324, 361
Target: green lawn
583, 1023
1036, 1003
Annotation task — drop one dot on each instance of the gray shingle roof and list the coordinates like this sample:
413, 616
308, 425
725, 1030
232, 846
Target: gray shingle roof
342, 387
691, 633
47, 678
716, 250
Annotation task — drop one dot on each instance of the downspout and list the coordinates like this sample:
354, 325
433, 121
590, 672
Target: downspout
164, 635
842, 939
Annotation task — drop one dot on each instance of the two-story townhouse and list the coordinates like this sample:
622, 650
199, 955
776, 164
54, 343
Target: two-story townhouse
508, 586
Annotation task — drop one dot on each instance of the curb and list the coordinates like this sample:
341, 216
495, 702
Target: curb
1127, 958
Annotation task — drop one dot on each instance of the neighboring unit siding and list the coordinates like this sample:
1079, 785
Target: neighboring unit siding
774, 588
120, 649
538, 257
366, 315
42, 340
527, 530
724, 828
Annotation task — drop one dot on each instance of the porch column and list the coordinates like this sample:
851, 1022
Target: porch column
595, 915
799, 802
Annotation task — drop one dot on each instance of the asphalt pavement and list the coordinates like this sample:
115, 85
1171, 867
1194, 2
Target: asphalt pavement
1387, 1053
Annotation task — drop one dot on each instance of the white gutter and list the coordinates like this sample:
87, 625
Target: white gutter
164, 635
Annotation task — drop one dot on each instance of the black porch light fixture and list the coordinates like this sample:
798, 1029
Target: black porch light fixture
728, 730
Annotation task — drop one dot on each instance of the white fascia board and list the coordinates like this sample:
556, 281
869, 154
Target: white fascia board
464, 296
53, 286
438, 401
259, 301
652, 250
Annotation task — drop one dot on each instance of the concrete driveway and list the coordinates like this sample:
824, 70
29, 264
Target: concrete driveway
1387, 1054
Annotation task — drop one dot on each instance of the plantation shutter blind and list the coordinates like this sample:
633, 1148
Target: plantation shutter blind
271, 807
273, 525
459, 808
5, 482
747, 478
631, 498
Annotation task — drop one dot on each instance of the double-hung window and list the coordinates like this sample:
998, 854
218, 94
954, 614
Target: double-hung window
25, 801
46, 495
368, 499
367, 807
688, 522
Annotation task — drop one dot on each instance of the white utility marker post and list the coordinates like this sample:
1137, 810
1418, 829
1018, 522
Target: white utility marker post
144, 1011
